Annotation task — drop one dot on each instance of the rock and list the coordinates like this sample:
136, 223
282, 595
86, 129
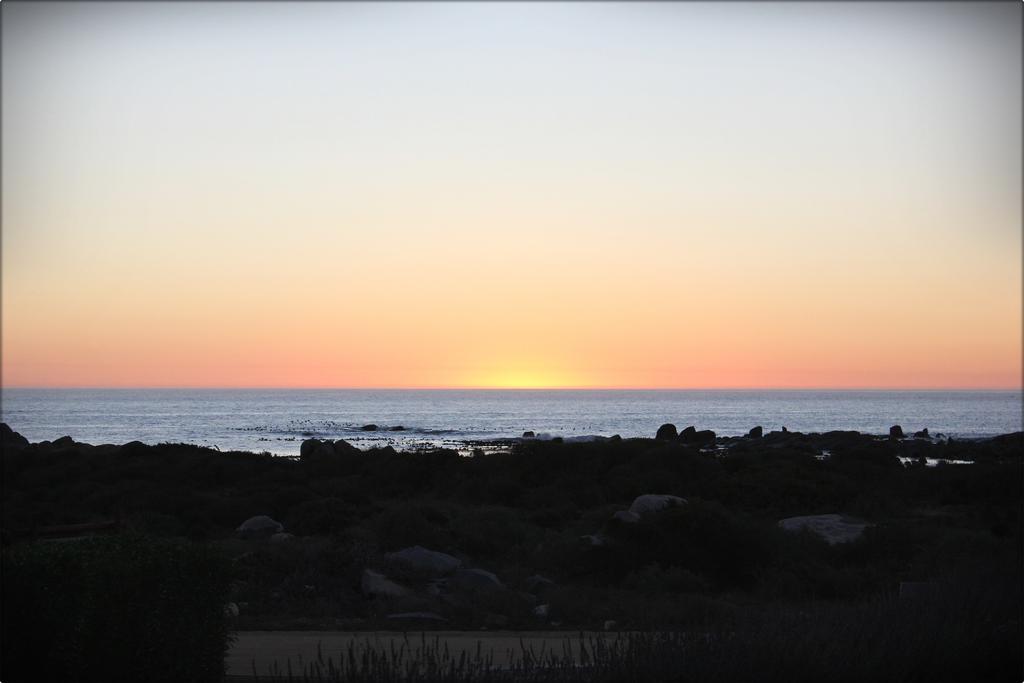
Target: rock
231, 610
281, 537
610, 625
784, 430
541, 611
666, 431
895, 432
313, 447
595, 540
755, 433
369, 428
923, 434
260, 526
399, 428
557, 439
626, 517
376, 584
474, 580
11, 439
64, 442
615, 437
834, 528
687, 434
528, 435
654, 502
417, 616
425, 561
342, 447
703, 437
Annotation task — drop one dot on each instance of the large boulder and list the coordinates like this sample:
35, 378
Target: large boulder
11, 439
687, 434
703, 437
259, 526
315, 448
342, 447
375, 584
755, 433
833, 528
654, 502
666, 432
423, 561
895, 432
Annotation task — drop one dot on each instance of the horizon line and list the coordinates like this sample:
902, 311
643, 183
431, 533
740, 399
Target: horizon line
523, 388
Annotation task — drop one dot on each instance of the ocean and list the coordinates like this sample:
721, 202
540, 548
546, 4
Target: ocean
277, 420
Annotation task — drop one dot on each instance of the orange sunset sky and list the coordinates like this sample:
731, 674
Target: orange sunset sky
511, 195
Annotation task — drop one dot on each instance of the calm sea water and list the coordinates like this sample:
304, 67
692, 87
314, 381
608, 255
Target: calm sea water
278, 420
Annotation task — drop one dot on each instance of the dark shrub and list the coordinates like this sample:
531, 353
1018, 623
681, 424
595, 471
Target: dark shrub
113, 609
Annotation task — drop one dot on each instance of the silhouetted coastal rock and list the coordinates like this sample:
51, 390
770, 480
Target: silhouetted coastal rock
755, 433
686, 436
895, 432
10, 438
342, 447
666, 431
703, 437
923, 434
369, 428
308, 447
528, 435
398, 428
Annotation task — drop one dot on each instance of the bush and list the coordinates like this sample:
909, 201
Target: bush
126, 608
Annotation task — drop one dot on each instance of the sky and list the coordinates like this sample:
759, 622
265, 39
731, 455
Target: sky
662, 195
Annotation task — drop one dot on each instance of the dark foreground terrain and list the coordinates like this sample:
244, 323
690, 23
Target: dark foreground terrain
782, 556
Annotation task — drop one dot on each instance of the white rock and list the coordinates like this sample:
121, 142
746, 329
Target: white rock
653, 502
541, 610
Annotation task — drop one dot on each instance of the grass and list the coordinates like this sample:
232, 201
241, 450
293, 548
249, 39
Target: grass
969, 630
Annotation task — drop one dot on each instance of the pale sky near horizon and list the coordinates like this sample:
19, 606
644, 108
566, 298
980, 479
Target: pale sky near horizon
512, 194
